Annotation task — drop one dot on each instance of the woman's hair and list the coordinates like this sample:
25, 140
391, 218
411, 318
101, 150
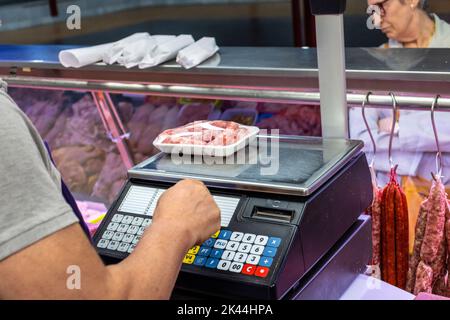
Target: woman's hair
423, 4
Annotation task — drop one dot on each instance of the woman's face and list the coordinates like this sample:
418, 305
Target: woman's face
396, 19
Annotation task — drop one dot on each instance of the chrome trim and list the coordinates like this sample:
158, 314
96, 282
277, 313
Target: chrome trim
210, 92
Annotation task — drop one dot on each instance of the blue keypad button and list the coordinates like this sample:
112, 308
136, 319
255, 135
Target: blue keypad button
209, 242
225, 234
274, 242
265, 261
212, 263
269, 252
216, 253
204, 251
200, 261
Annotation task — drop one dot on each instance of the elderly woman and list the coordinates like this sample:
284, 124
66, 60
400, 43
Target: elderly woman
407, 25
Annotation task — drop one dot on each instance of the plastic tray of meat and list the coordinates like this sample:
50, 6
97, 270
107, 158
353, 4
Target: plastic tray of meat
211, 138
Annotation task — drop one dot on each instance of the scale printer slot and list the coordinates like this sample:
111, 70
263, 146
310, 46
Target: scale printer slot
273, 214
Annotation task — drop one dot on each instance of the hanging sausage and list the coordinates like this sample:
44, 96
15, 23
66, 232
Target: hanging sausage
428, 265
430, 245
394, 233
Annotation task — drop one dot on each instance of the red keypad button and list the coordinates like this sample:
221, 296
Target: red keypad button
262, 272
248, 269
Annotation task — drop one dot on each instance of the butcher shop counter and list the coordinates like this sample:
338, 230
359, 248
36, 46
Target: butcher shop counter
287, 75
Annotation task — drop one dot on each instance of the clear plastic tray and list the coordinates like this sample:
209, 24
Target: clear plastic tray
207, 150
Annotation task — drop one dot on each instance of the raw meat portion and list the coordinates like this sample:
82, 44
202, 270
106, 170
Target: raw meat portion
214, 133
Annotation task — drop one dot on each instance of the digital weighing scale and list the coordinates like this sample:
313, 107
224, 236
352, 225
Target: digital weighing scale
295, 233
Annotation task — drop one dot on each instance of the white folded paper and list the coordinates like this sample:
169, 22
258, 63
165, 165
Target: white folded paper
81, 57
112, 55
197, 52
108, 52
166, 51
135, 52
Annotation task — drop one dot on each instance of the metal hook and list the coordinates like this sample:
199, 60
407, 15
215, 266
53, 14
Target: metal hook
366, 101
438, 154
394, 121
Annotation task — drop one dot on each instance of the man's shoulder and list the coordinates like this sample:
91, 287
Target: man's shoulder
9, 111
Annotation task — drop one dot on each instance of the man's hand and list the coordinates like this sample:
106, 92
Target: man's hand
189, 208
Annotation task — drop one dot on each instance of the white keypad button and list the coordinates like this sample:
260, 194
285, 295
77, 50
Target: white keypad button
257, 249
236, 267
228, 255
141, 231
123, 247
136, 239
131, 248
224, 265
122, 228
236, 236
220, 244
108, 235
128, 238
118, 236
253, 259
112, 226
133, 229
232, 245
261, 240
137, 221
103, 243
127, 219
240, 257
245, 247
249, 238
117, 218
113, 245
146, 222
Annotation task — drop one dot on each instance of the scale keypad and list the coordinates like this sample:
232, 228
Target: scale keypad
123, 233
236, 252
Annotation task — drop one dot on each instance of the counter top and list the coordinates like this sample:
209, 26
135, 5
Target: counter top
422, 64
282, 68
368, 288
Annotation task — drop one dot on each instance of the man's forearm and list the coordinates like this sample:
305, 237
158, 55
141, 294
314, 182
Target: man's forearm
151, 270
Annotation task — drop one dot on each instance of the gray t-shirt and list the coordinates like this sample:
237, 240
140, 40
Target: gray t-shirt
31, 204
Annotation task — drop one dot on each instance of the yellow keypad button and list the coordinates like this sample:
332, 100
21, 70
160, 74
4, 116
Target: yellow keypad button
189, 259
215, 235
194, 250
